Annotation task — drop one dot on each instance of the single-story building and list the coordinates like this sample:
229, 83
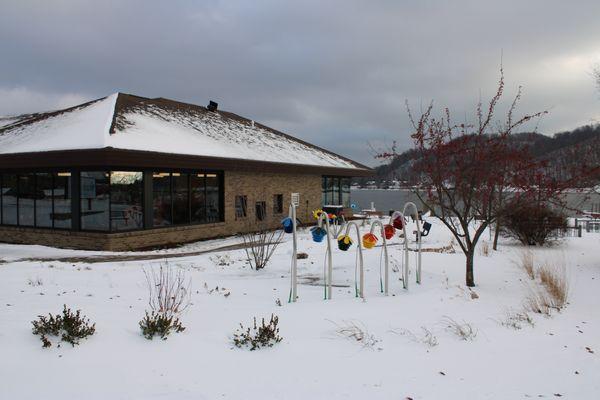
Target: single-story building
126, 172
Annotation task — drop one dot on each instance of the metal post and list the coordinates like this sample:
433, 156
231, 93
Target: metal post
385, 254
405, 266
329, 268
361, 274
416, 215
294, 274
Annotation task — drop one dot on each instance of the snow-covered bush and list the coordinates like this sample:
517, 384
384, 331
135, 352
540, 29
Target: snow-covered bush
265, 335
71, 327
159, 324
168, 296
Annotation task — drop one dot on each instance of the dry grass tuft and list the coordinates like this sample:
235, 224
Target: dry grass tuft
527, 263
538, 302
355, 331
554, 279
464, 330
426, 337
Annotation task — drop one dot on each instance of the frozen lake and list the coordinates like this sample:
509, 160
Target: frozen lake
386, 200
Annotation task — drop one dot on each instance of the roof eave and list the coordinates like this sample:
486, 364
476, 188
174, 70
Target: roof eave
111, 157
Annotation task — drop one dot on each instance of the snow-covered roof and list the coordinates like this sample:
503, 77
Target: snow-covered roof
128, 122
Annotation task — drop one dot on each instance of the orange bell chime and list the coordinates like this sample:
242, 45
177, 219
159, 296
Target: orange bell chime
369, 240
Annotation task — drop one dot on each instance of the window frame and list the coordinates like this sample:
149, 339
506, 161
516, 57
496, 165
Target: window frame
73, 190
243, 204
277, 204
328, 190
263, 205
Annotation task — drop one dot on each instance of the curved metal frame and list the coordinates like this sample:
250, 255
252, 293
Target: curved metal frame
405, 265
360, 258
328, 267
338, 226
385, 288
416, 216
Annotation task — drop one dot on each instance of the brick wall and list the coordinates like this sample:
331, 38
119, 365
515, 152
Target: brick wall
257, 187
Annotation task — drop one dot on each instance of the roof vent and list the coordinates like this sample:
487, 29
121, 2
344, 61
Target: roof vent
212, 106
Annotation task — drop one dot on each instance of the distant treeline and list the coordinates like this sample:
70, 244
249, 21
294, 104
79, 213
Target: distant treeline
561, 150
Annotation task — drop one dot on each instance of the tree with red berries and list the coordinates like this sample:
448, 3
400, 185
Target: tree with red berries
466, 170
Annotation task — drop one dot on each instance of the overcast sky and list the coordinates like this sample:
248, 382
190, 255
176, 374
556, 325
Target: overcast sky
335, 73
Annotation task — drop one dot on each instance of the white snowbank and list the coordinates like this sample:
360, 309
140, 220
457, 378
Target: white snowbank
312, 362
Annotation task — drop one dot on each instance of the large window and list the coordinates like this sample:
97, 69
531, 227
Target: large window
182, 198
109, 201
41, 199
335, 191
126, 210
62, 215
95, 200
26, 203
161, 198
198, 198
9, 199
213, 198
43, 202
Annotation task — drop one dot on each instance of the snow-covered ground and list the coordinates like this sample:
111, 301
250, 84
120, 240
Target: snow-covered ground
558, 356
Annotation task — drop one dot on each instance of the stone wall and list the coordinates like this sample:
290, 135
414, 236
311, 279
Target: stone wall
257, 187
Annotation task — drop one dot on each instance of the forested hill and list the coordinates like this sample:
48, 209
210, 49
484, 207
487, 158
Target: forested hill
560, 150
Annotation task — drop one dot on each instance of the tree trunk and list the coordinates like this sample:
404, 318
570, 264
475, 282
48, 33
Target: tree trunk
496, 234
470, 277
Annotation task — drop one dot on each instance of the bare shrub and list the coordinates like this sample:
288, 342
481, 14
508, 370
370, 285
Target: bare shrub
515, 319
426, 337
526, 263
554, 279
533, 224
355, 331
464, 330
260, 246
168, 296
168, 291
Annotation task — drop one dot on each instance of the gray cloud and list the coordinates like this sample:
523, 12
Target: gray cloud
336, 73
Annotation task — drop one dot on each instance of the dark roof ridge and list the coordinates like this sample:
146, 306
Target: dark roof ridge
230, 115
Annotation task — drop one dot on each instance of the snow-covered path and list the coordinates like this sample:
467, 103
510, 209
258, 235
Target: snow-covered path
312, 362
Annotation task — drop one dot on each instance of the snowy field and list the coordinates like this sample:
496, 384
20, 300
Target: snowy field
556, 357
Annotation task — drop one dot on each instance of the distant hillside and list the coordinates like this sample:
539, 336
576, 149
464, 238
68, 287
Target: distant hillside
561, 150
